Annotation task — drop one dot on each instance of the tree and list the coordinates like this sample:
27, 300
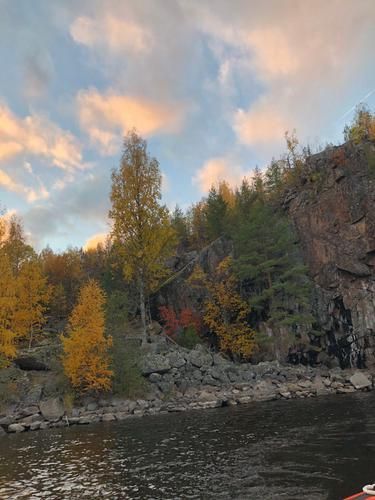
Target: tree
197, 217
141, 225
64, 269
179, 224
33, 294
225, 312
269, 265
362, 127
86, 358
8, 301
216, 209
15, 245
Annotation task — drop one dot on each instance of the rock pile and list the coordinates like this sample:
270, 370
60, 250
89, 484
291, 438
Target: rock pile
186, 380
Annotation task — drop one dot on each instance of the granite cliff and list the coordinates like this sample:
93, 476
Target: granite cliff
333, 211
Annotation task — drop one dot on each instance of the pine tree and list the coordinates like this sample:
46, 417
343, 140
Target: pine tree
270, 268
216, 209
86, 358
179, 224
141, 225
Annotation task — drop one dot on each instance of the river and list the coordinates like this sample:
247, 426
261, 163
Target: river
320, 448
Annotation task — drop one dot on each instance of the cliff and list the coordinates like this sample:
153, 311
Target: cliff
333, 211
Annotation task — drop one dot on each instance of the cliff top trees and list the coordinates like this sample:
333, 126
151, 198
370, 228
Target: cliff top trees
86, 350
141, 225
362, 126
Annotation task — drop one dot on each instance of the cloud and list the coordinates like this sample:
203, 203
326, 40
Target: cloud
261, 124
29, 193
273, 54
38, 136
299, 69
107, 117
215, 170
95, 240
111, 33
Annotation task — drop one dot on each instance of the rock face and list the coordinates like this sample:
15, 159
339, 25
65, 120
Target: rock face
334, 214
29, 363
333, 211
178, 294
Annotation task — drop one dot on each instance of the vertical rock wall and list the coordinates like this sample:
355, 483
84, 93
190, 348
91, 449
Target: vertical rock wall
334, 214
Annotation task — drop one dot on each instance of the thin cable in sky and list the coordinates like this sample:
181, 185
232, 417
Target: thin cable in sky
353, 107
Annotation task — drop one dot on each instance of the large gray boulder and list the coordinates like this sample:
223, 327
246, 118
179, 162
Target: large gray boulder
360, 381
52, 409
176, 359
200, 358
16, 428
155, 363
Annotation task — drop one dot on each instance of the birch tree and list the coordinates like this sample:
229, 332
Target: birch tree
141, 224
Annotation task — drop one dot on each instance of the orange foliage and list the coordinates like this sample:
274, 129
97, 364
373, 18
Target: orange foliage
169, 318
8, 302
173, 323
225, 311
86, 350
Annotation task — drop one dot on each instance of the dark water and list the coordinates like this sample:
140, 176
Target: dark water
317, 449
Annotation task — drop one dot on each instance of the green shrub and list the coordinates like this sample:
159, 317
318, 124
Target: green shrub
127, 377
188, 337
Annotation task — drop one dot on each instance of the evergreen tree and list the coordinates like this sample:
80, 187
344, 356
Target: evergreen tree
270, 268
216, 209
179, 224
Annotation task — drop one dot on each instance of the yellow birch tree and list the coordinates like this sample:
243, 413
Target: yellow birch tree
141, 225
33, 293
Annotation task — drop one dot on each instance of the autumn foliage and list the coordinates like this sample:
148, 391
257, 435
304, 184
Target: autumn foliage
8, 301
173, 324
86, 358
225, 312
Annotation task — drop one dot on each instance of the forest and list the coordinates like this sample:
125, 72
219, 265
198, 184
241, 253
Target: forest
88, 298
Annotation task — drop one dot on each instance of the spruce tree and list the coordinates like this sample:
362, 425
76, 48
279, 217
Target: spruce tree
270, 268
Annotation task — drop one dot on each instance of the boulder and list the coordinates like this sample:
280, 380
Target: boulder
155, 363
2, 431
52, 409
360, 381
108, 417
176, 359
92, 406
16, 428
200, 358
35, 426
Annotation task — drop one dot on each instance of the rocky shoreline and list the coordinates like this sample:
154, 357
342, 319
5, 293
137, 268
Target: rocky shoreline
181, 380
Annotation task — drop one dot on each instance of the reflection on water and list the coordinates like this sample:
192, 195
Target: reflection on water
317, 448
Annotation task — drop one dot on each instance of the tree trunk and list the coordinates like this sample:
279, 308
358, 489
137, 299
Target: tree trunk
142, 307
31, 337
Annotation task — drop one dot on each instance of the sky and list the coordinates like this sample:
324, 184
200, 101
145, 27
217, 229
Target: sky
212, 85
